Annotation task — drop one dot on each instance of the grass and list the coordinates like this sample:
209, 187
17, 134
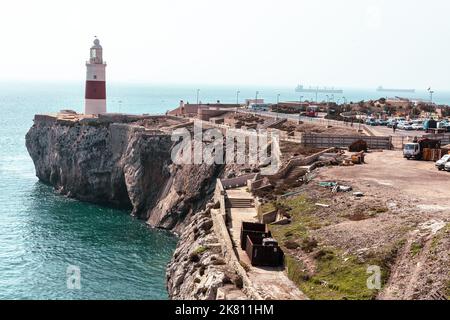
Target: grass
415, 248
200, 250
337, 276
267, 207
300, 209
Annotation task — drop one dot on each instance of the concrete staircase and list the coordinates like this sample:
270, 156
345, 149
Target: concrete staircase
273, 124
293, 174
239, 203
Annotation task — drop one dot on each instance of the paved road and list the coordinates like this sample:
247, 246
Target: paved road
385, 131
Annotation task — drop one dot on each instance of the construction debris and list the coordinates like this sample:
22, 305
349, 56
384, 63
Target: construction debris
345, 188
335, 187
358, 158
358, 146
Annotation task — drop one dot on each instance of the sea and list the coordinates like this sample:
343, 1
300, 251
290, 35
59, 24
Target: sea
52, 247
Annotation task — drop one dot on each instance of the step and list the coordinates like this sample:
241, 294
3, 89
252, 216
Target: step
240, 203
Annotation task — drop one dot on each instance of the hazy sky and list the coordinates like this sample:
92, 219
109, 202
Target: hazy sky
359, 43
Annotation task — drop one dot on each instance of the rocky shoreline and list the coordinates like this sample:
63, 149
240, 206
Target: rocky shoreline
125, 161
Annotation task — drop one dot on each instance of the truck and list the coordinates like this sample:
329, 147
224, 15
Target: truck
432, 126
415, 149
312, 111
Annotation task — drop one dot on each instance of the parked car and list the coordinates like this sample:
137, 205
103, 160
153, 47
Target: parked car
371, 122
447, 167
400, 125
417, 125
440, 164
407, 126
442, 124
381, 122
390, 123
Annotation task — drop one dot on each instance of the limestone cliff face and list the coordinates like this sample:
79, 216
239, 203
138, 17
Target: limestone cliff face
198, 269
120, 164
125, 163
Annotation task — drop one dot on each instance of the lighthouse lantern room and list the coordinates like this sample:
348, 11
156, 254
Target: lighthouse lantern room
95, 96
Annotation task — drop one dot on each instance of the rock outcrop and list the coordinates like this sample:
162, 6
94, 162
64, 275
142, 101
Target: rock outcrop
198, 269
122, 164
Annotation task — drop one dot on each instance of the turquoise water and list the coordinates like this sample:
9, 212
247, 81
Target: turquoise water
42, 233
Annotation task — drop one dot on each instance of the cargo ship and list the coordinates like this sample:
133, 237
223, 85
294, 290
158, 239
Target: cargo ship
381, 89
301, 88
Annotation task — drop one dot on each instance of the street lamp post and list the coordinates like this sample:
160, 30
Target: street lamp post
278, 102
328, 110
198, 94
299, 108
237, 97
256, 99
431, 94
431, 100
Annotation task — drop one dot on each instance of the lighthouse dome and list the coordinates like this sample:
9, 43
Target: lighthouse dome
96, 43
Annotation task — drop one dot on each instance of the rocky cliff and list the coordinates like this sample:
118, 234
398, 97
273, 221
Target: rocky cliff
123, 162
126, 161
198, 269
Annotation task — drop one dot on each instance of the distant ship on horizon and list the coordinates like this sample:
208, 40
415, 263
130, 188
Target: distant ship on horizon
381, 89
301, 88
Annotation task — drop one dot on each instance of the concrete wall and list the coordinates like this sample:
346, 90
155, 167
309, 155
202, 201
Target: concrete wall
327, 141
206, 114
238, 181
295, 162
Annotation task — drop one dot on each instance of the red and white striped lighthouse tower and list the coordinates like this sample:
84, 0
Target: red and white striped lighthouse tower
95, 96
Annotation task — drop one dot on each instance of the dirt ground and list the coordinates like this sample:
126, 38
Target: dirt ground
419, 180
252, 121
404, 202
400, 224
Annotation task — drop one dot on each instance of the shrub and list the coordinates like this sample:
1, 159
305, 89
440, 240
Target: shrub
290, 244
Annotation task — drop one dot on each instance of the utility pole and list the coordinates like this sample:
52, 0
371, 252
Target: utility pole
431, 94
278, 102
237, 97
328, 110
198, 94
256, 100
431, 100
299, 108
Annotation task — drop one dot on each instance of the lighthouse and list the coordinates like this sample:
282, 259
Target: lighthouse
95, 96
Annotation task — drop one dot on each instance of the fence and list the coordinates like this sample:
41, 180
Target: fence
328, 141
